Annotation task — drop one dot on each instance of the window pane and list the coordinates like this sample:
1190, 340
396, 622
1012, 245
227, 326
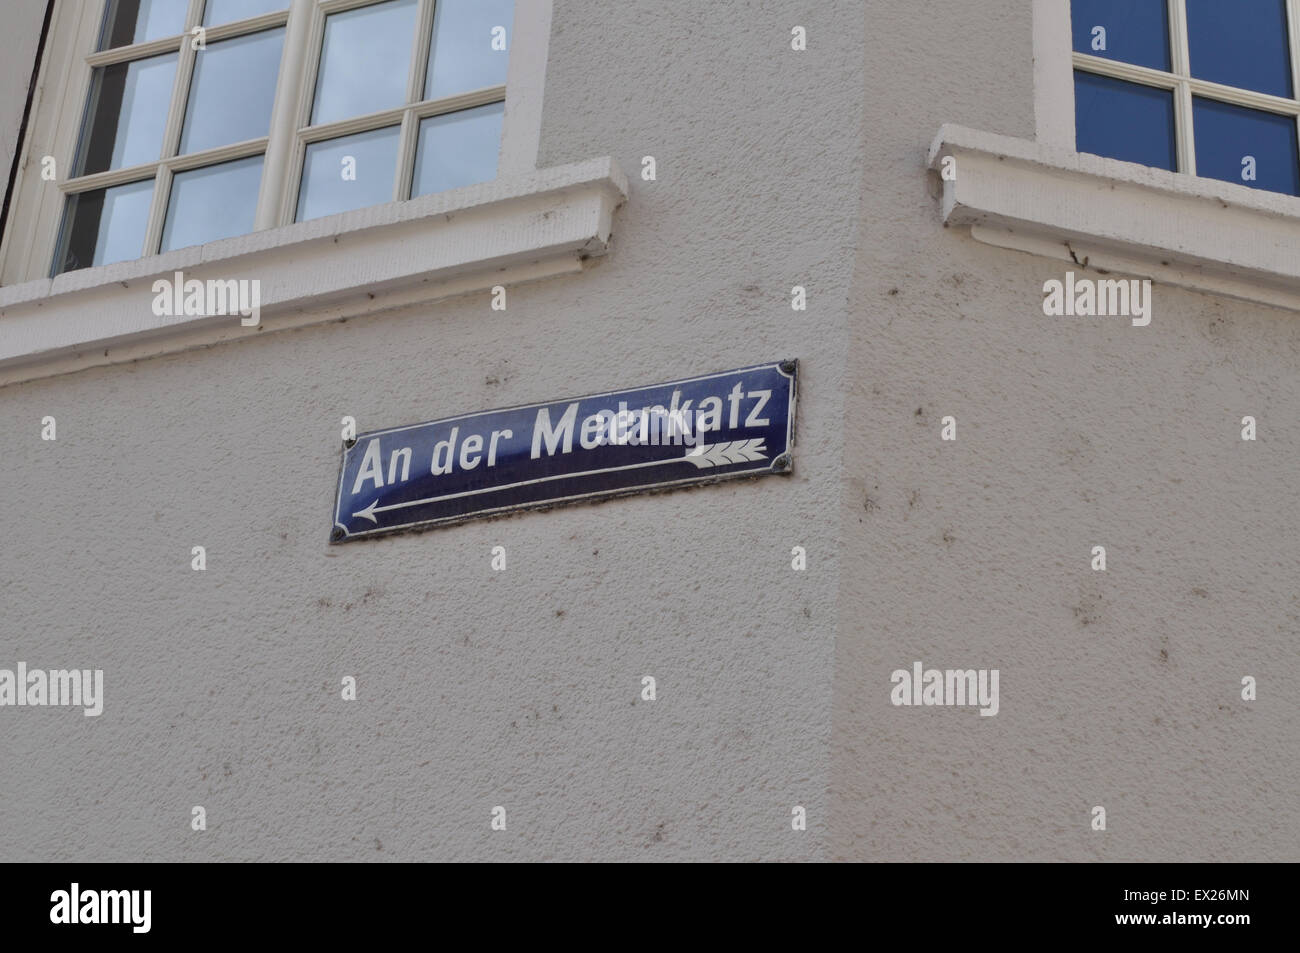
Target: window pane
1246, 146
1240, 43
461, 57
105, 225
135, 21
339, 175
1124, 120
228, 11
217, 201
363, 65
130, 102
1132, 31
458, 149
232, 91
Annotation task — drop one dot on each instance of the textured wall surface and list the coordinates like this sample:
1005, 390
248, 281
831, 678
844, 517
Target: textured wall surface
521, 688
1119, 688
476, 688
22, 21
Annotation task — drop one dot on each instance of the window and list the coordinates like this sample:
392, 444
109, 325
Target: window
1164, 147
208, 119
1205, 87
453, 80
439, 126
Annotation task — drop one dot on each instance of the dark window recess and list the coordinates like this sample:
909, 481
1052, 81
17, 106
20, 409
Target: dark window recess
1241, 43
103, 226
368, 158
347, 82
1124, 120
126, 114
138, 21
457, 149
1246, 146
232, 91
461, 56
216, 12
212, 202
1130, 31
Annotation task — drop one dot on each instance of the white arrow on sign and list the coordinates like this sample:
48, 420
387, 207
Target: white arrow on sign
705, 455
722, 454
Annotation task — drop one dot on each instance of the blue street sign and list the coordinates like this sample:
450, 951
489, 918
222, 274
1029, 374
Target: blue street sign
699, 430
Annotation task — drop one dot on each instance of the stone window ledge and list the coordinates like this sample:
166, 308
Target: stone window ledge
1108, 215
507, 231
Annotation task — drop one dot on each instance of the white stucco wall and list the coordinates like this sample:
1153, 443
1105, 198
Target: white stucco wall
521, 688
476, 688
1120, 689
23, 20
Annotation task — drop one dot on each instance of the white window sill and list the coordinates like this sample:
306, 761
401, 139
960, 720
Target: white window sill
507, 231
1109, 215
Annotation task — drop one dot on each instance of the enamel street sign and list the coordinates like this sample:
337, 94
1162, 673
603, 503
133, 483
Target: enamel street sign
699, 430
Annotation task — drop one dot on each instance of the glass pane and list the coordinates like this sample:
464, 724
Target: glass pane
105, 226
1240, 43
232, 91
228, 11
1124, 120
339, 175
1246, 146
462, 55
217, 201
458, 149
135, 21
1131, 31
130, 103
363, 65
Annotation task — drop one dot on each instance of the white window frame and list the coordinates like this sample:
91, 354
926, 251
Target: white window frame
1054, 78
1046, 198
525, 224
284, 147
